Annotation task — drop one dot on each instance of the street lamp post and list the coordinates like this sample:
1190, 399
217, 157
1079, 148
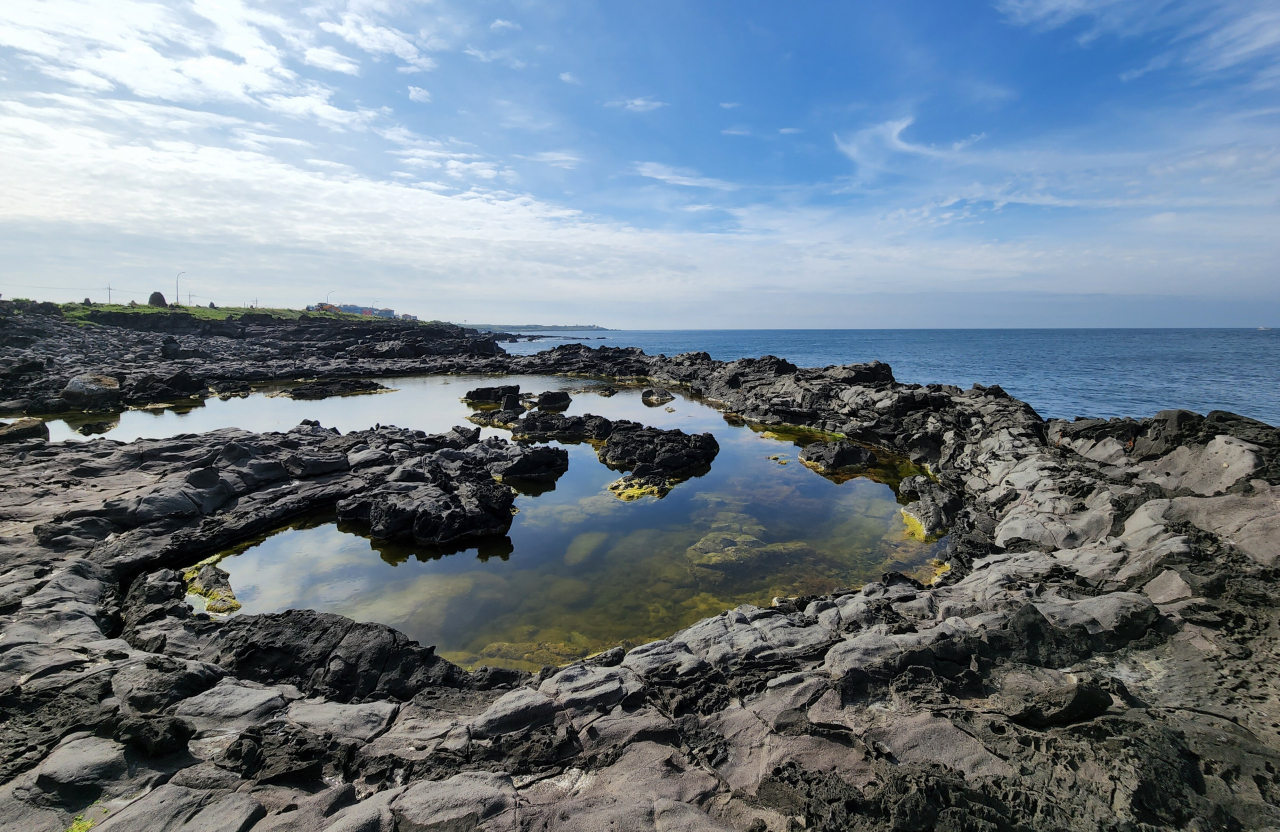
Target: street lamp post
176, 297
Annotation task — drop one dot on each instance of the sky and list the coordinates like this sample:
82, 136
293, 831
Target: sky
653, 164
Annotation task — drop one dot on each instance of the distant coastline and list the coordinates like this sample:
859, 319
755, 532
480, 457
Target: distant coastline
537, 328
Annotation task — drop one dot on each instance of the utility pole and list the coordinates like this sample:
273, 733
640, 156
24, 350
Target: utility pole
176, 297
108, 294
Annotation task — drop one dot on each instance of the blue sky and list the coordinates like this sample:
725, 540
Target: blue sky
656, 164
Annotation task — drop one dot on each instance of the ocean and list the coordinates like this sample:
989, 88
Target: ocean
1062, 373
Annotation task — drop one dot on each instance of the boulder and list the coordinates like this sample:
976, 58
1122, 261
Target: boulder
554, 400
829, 457
654, 398
156, 299
24, 429
91, 391
491, 395
645, 451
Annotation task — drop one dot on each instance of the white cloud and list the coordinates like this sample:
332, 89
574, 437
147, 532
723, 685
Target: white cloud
790, 131
556, 159
87, 172
227, 51
729, 105
737, 130
500, 55
420, 95
326, 57
644, 104
500, 25
379, 40
569, 78
681, 176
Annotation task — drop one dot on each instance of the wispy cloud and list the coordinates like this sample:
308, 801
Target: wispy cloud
569, 78
681, 176
729, 105
500, 25
556, 159
326, 57
790, 131
500, 55
1204, 36
361, 32
420, 95
737, 130
644, 104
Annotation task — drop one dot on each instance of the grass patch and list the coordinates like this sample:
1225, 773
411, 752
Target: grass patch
80, 312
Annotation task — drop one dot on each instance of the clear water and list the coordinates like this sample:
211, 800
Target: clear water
1062, 373
582, 571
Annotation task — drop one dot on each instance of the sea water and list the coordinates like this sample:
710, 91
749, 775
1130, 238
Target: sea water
1062, 373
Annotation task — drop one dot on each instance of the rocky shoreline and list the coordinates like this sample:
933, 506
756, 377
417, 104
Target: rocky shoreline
1099, 655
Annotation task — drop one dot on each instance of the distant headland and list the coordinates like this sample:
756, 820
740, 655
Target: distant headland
537, 328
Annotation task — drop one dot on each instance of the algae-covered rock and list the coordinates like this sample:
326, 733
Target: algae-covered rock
214, 585
631, 487
24, 429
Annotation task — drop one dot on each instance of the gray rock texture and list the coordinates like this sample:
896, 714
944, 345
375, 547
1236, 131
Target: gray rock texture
1100, 653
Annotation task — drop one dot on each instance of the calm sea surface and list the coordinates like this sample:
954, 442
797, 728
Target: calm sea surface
1062, 372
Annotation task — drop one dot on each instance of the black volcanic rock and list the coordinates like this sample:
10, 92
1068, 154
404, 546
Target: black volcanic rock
644, 450
540, 426
832, 456
338, 387
491, 395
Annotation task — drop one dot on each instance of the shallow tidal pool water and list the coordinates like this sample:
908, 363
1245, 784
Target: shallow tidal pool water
580, 571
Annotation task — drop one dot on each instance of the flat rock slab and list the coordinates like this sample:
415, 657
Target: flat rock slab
362, 722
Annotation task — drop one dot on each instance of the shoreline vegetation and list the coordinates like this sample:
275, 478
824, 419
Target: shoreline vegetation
83, 313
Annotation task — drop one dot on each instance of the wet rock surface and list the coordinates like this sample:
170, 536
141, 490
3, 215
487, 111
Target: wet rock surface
1099, 655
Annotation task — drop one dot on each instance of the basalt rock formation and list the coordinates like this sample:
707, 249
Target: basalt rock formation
51, 365
1099, 655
